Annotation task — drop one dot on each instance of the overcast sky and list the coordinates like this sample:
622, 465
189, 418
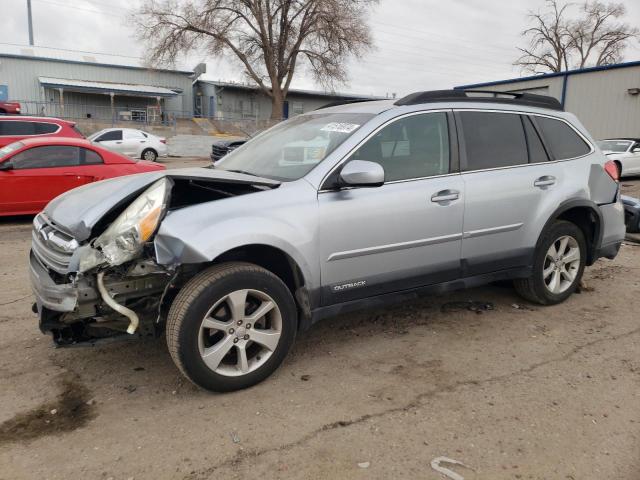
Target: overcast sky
420, 44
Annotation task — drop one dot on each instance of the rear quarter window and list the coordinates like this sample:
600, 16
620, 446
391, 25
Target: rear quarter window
562, 140
42, 128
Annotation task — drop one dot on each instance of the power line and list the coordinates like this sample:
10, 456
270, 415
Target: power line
430, 37
74, 51
76, 7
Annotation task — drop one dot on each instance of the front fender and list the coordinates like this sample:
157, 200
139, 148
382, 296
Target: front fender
175, 246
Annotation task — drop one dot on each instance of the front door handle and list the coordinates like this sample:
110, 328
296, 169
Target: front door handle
545, 181
445, 196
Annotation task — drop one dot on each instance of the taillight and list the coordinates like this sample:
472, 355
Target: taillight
163, 140
611, 168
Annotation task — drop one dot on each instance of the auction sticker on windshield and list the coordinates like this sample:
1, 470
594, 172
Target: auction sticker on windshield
340, 127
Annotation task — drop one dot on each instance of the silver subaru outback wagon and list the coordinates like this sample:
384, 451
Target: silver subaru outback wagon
350, 206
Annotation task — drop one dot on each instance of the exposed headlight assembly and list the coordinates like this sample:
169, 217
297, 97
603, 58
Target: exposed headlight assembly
125, 237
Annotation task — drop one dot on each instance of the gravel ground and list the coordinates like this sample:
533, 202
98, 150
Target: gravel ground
517, 392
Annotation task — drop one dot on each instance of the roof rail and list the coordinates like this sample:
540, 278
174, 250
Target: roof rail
512, 98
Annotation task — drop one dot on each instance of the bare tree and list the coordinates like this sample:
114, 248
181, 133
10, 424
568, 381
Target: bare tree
549, 40
270, 38
599, 38
557, 41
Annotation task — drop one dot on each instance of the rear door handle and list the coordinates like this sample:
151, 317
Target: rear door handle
445, 196
545, 181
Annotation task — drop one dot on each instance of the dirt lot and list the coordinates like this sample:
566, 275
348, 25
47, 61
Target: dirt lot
515, 392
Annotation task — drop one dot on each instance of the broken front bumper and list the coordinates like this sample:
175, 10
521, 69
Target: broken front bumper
49, 294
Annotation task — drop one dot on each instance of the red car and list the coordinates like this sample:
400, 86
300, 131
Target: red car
14, 128
9, 108
36, 170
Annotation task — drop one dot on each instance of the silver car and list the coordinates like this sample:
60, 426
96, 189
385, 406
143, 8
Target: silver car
351, 206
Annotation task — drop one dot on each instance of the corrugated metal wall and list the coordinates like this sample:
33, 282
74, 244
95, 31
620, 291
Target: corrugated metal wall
600, 99
602, 102
21, 75
239, 103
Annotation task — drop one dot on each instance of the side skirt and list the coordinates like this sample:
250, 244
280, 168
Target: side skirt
415, 293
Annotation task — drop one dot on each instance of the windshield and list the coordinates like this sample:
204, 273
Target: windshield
9, 149
618, 146
291, 149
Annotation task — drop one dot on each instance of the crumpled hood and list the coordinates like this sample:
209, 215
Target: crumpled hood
77, 211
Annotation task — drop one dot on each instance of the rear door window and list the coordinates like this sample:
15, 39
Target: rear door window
493, 140
563, 141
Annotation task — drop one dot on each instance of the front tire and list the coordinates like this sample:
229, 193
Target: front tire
559, 262
231, 326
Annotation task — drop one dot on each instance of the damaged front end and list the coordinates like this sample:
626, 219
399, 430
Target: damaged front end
109, 284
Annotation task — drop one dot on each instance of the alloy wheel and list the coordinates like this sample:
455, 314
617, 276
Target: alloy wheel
240, 332
561, 264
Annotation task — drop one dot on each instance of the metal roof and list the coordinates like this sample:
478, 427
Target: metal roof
551, 75
84, 61
107, 87
315, 93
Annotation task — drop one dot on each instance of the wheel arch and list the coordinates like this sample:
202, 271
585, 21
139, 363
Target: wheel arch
146, 149
269, 257
586, 215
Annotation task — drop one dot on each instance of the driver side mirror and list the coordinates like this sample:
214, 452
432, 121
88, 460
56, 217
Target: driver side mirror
362, 173
6, 166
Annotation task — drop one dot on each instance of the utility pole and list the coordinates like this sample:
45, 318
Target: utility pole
29, 19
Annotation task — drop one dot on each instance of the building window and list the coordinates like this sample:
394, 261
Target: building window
297, 108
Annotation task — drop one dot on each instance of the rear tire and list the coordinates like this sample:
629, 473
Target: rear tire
231, 326
559, 262
150, 155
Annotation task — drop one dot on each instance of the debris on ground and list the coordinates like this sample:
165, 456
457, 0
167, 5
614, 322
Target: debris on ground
234, 437
364, 464
471, 305
435, 464
305, 378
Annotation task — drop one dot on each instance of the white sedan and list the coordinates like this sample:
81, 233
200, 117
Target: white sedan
132, 142
625, 152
